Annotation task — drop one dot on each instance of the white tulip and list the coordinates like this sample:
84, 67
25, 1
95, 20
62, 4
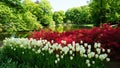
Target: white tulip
51, 51
77, 48
33, 49
95, 45
11, 47
102, 56
108, 50
14, 49
85, 44
62, 56
89, 46
99, 44
93, 62
77, 44
71, 58
65, 49
85, 55
59, 46
70, 46
57, 55
21, 45
96, 55
89, 65
88, 51
29, 47
39, 51
82, 50
108, 59
81, 42
61, 52
87, 61
71, 52
98, 50
22, 52
103, 50
46, 47
56, 61
90, 55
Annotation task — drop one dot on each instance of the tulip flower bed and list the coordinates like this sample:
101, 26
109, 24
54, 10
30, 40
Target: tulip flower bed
106, 35
44, 54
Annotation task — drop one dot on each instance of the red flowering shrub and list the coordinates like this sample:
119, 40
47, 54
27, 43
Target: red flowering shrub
45, 34
109, 37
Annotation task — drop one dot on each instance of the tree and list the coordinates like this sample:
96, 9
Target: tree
58, 16
105, 11
72, 14
79, 15
30, 21
85, 15
14, 4
31, 6
113, 16
5, 16
42, 10
46, 17
13, 22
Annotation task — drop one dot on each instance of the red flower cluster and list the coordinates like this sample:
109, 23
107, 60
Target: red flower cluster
109, 37
45, 34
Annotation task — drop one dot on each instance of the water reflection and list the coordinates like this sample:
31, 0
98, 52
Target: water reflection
68, 27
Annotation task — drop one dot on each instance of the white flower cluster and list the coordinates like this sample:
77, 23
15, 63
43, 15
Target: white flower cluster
83, 49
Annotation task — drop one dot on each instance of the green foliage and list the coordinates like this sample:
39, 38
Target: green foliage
31, 21
114, 11
79, 15
52, 26
13, 3
0, 28
105, 11
58, 16
59, 28
46, 17
12, 20
17, 22
6, 17
42, 11
7, 62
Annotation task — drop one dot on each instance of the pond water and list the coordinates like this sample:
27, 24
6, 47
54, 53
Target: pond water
68, 27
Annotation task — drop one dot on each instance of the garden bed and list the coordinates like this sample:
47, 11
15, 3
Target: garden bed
96, 44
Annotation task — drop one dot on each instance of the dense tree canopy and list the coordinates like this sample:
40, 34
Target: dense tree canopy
79, 15
42, 10
46, 17
12, 3
59, 16
12, 20
105, 11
